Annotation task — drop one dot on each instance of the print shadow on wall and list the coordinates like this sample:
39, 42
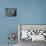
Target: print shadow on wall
11, 12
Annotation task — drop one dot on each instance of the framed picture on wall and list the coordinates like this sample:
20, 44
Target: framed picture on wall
33, 32
10, 12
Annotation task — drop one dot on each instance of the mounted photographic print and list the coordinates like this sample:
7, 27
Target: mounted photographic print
32, 32
12, 38
10, 12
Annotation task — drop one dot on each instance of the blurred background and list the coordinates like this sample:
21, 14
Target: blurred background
28, 12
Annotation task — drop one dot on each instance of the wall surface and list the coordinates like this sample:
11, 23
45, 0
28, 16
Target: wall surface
28, 12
